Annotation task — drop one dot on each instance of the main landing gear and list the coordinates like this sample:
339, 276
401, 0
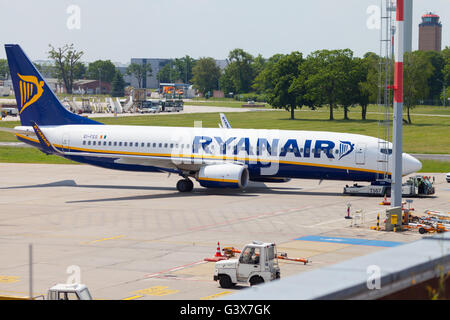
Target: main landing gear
185, 185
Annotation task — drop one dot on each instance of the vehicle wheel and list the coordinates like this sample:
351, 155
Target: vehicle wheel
185, 185
422, 230
256, 280
225, 281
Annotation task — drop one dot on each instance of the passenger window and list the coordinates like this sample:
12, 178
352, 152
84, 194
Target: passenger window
165, 145
142, 144
115, 143
125, 144
120, 143
109, 143
160, 145
104, 143
94, 143
171, 146
84, 143
136, 144
154, 145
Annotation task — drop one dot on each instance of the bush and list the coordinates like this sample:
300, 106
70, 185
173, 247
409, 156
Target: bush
244, 97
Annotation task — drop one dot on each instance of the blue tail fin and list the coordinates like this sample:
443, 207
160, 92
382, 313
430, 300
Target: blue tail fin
35, 100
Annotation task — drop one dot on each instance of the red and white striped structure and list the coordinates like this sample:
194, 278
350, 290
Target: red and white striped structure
399, 51
396, 186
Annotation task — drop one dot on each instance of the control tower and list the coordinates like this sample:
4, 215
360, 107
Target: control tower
430, 33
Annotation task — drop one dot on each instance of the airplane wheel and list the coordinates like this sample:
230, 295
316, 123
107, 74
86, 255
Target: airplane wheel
185, 185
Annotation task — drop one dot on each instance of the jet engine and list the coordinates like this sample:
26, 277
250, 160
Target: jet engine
223, 176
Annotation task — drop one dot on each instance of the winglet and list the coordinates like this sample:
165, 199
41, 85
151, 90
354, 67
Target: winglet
225, 123
46, 146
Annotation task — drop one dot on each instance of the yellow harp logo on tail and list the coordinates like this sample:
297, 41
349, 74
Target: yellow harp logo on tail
30, 91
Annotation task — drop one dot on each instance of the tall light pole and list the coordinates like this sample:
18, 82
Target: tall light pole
408, 11
397, 134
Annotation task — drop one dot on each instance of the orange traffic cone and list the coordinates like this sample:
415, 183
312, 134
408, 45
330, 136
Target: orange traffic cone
218, 254
217, 257
385, 202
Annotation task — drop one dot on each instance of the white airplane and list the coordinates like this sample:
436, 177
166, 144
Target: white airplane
215, 157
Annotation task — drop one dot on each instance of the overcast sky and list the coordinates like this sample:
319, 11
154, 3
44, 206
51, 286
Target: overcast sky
118, 30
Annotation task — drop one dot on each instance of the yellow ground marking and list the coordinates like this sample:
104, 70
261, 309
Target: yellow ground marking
156, 291
133, 297
217, 295
104, 239
8, 279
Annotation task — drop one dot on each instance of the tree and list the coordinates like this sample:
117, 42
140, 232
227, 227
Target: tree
102, 70
368, 84
206, 75
177, 70
326, 73
4, 69
168, 73
264, 79
184, 68
118, 85
435, 81
287, 92
417, 71
140, 71
66, 59
79, 70
349, 88
239, 72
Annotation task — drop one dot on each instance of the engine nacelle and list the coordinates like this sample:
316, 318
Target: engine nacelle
223, 176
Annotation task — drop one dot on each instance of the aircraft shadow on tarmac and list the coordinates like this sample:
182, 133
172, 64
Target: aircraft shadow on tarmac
253, 190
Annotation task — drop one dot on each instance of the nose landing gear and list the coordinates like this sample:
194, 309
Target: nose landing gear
185, 185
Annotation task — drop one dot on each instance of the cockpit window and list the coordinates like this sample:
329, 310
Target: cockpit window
386, 151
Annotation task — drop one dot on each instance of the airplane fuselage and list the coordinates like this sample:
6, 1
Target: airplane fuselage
266, 153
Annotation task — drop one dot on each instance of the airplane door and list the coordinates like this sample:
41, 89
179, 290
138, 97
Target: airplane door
65, 142
360, 154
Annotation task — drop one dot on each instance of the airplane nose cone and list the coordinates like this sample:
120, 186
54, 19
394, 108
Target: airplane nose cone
410, 164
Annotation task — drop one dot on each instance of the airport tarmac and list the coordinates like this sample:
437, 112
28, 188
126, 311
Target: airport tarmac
133, 236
